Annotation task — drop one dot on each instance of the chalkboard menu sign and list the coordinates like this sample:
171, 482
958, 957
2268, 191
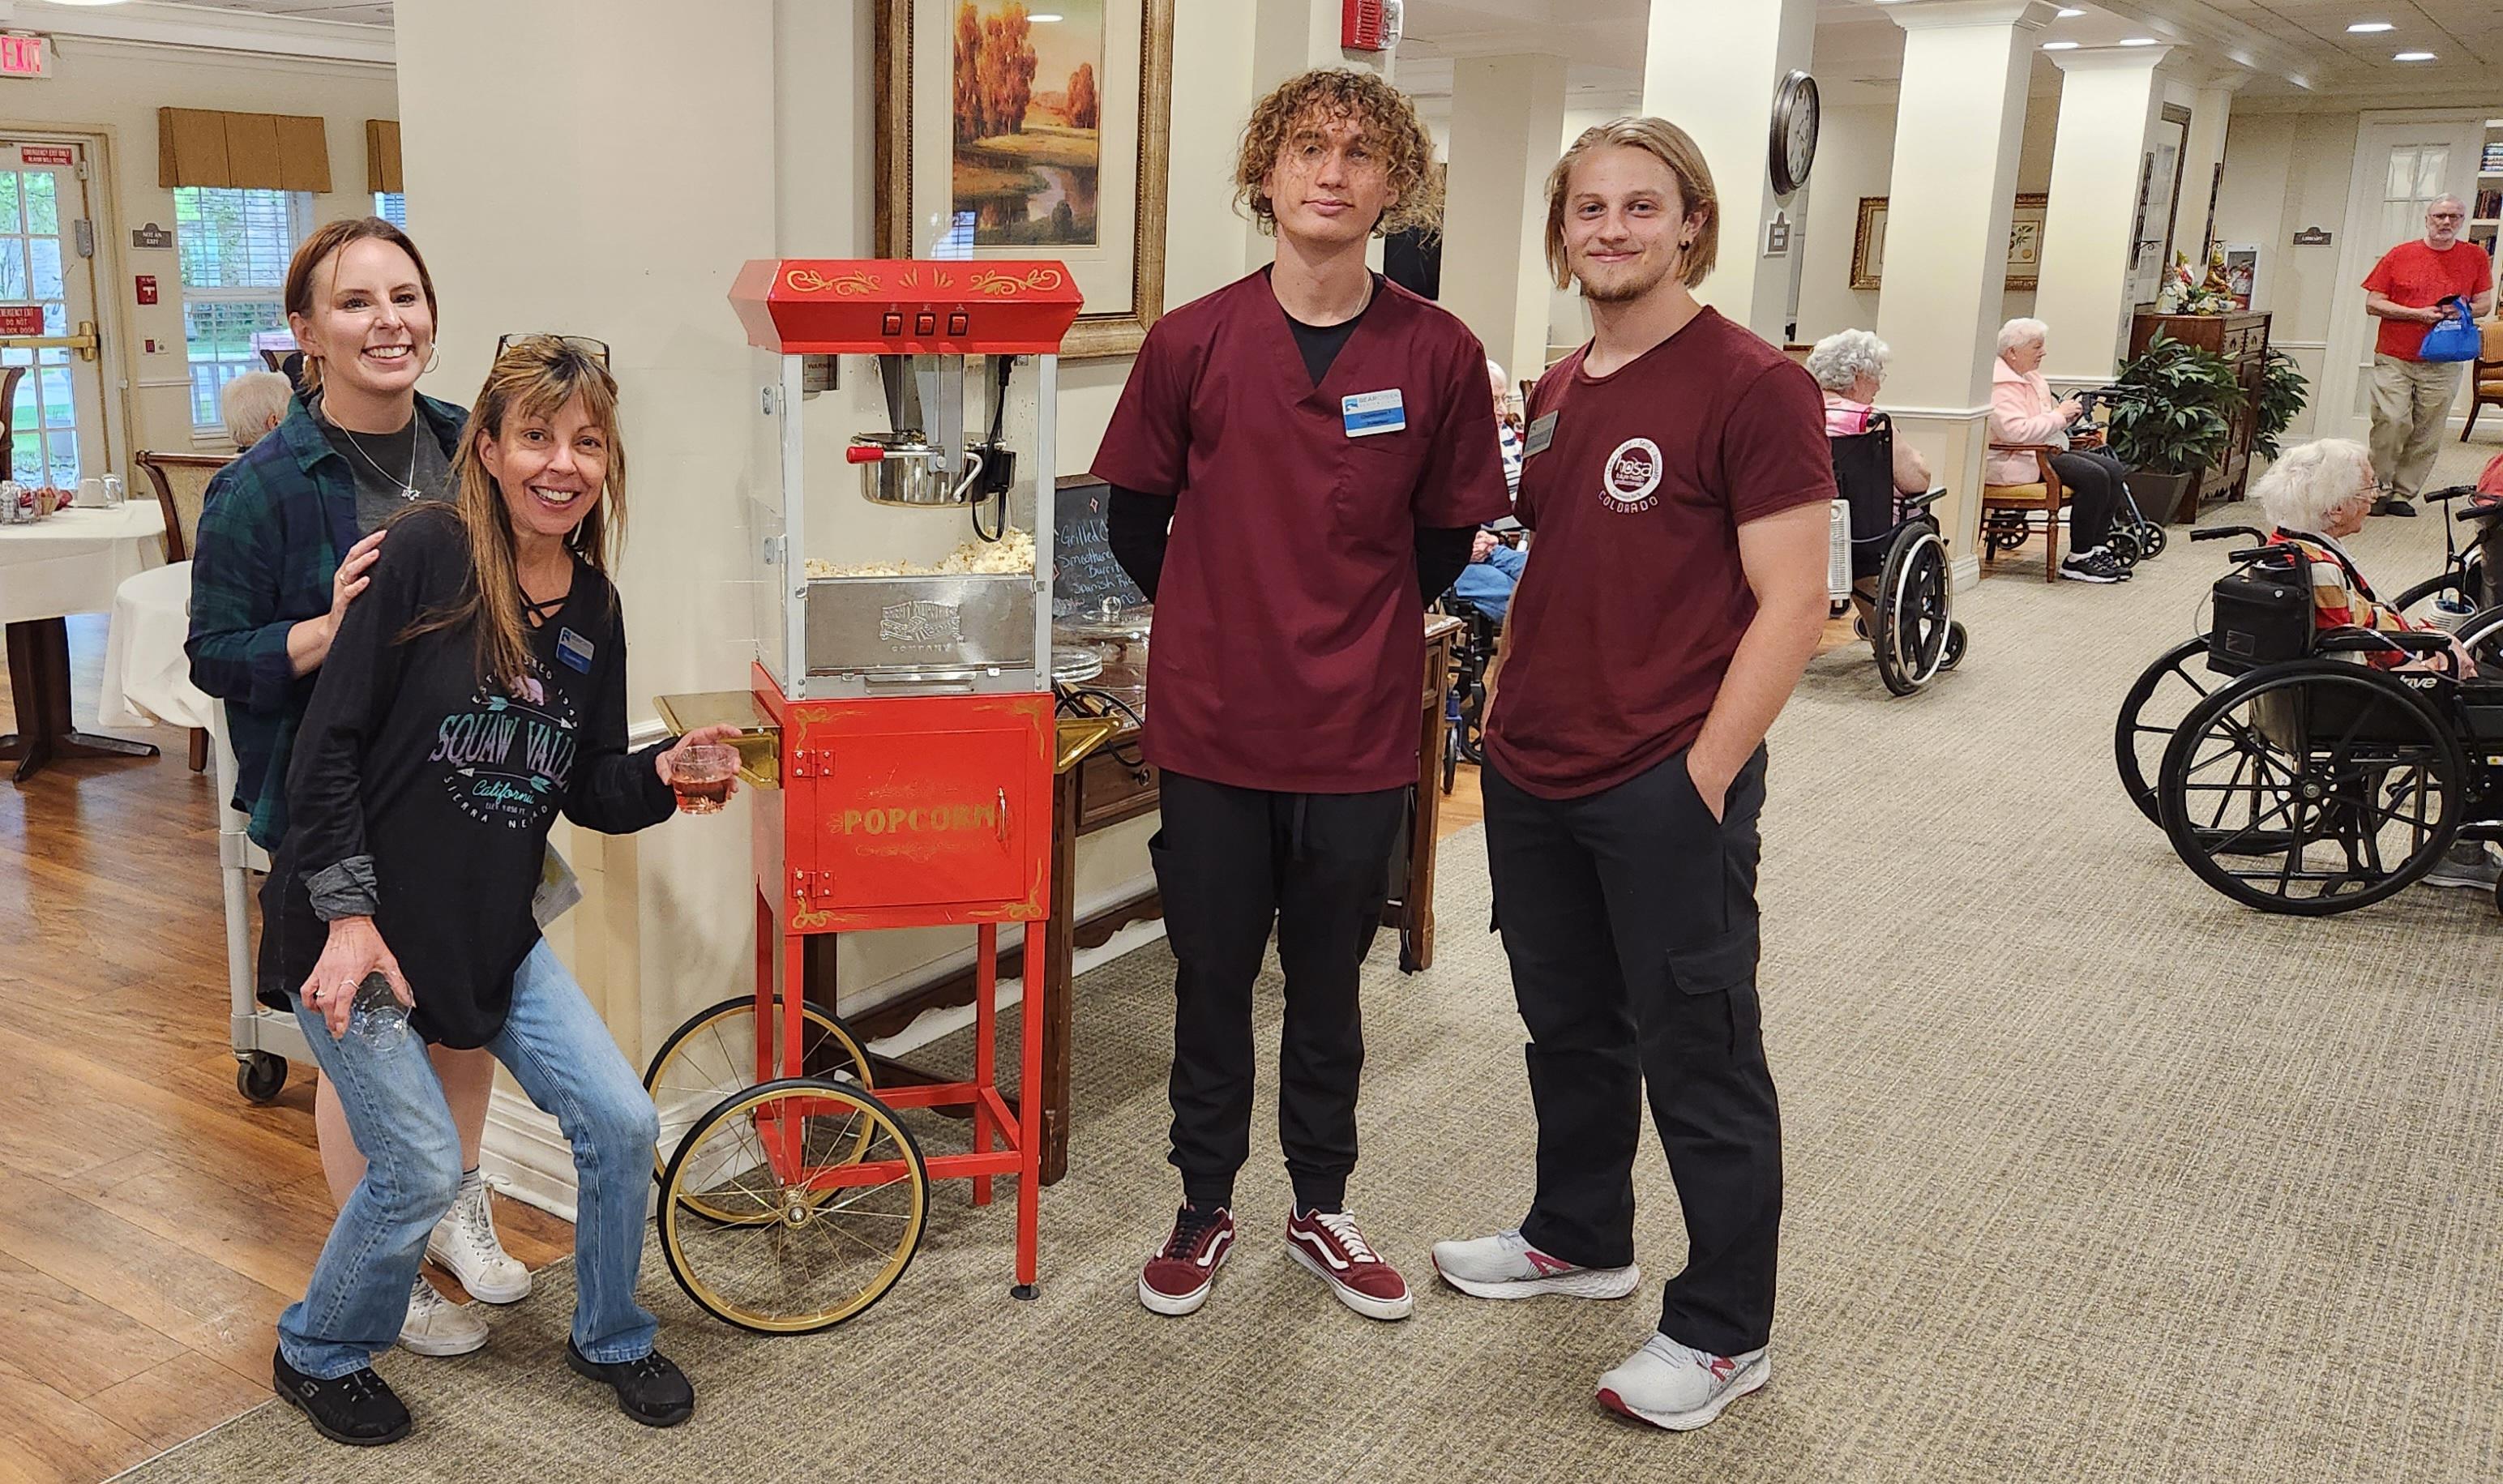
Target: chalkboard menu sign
1082, 570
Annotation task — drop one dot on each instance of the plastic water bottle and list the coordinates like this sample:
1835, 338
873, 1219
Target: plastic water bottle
377, 1017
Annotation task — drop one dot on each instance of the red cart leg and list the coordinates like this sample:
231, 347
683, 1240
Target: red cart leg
1030, 1110
764, 986
986, 997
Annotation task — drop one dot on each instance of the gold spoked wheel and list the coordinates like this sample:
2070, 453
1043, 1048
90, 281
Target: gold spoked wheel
826, 1194
713, 1055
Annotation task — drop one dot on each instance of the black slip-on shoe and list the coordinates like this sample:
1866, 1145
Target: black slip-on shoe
357, 1410
2394, 504
651, 1390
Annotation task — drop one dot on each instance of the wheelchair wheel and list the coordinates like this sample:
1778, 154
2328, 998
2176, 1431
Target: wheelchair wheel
2150, 540
2312, 787
2006, 529
829, 1195
714, 1054
1955, 646
2122, 542
2152, 712
1471, 729
1451, 755
2482, 635
1910, 634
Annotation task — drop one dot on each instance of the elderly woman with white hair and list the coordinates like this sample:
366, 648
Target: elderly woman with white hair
1850, 366
2314, 496
2023, 410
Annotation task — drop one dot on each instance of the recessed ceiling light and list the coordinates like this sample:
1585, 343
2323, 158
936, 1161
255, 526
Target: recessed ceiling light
2413, 56
1045, 19
2059, 46
87, 1
2068, 11
2137, 40
2365, 27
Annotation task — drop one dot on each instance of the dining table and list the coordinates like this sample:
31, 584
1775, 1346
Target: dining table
73, 563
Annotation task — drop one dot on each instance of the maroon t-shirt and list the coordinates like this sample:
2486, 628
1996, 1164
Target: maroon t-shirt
1289, 645
1633, 600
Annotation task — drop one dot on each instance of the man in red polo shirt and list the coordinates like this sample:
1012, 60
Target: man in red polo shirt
1298, 464
2409, 291
1678, 481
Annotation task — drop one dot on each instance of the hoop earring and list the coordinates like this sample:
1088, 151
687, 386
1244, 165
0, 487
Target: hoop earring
433, 360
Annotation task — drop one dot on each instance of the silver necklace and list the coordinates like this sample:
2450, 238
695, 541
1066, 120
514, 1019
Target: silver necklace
408, 481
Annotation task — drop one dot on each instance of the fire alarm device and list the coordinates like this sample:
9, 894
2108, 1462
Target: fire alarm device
148, 288
1369, 25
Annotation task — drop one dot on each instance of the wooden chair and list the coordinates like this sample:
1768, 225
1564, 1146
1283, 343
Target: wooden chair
8, 421
2021, 500
182, 482
2486, 378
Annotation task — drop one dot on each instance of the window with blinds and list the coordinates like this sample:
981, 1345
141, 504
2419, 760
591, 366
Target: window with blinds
234, 246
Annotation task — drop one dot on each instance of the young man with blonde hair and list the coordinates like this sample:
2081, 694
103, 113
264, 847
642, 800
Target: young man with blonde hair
1297, 466
1678, 481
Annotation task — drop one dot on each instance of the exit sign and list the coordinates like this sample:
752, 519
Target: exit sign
24, 56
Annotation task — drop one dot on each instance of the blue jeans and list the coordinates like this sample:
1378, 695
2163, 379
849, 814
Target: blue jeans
560, 1052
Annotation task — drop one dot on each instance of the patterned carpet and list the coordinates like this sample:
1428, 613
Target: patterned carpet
2093, 1176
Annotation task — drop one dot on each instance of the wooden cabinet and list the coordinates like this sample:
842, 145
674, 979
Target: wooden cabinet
2243, 339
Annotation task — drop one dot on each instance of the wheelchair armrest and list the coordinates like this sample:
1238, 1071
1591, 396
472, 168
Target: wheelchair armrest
1921, 502
2421, 642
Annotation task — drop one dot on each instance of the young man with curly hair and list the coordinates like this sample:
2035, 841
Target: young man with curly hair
1678, 479
1297, 466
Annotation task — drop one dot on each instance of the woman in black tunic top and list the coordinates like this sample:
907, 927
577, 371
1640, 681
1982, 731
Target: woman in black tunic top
485, 691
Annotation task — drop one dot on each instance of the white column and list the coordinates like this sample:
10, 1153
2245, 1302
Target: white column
1953, 188
1712, 68
516, 174
2204, 149
1505, 112
2108, 97
1290, 37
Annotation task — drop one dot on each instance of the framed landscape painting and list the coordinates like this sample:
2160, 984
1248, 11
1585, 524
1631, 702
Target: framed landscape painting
2024, 242
1032, 129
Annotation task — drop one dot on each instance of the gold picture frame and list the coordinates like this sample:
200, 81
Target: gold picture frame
1123, 280
2024, 242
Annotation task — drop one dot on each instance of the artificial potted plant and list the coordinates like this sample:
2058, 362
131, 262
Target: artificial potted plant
2173, 433
2282, 393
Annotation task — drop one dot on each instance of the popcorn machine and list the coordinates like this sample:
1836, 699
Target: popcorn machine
899, 730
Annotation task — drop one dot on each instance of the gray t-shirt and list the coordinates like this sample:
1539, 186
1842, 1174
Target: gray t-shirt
387, 466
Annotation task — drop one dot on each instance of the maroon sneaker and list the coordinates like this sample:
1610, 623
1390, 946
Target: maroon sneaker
1329, 1243
1177, 1279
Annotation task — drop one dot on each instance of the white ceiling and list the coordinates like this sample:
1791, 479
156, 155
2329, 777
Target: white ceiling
342, 11
2284, 51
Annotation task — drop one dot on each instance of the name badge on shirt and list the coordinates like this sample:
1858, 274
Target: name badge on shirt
574, 650
1541, 434
1370, 412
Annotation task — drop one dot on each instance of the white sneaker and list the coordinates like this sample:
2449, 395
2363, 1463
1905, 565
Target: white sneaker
2465, 864
464, 1243
436, 1325
1505, 1265
1679, 1387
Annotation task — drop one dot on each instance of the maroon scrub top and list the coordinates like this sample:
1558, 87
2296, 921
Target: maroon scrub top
1633, 600
1289, 648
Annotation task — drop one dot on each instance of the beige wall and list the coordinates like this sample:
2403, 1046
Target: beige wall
113, 90
1855, 158
2285, 172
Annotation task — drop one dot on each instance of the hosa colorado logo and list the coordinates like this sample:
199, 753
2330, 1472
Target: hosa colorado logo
1631, 478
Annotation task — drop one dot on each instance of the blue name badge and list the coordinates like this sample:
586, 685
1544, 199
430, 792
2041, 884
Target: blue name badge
574, 650
1370, 412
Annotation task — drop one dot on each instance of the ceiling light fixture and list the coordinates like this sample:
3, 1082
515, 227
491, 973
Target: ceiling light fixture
2413, 56
1046, 18
2068, 11
87, 1
2059, 46
2367, 27
2137, 40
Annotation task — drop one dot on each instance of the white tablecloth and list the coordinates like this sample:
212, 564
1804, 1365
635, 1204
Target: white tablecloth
73, 563
146, 677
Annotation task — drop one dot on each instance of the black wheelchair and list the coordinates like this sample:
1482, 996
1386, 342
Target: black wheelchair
2309, 783
2458, 600
1889, 555
1464, 697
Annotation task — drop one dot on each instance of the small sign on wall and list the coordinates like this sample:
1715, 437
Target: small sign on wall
24, 56
1777, 236
47, 154
151, 236
22, 318
146, 288
2313, 236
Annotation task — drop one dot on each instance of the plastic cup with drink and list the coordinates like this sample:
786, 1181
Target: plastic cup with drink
700, 777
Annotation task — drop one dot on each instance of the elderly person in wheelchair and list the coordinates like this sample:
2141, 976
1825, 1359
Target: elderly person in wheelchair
1897, 567
2314, 497
2025, 416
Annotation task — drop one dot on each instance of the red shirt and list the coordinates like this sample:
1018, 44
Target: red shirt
2416, 276
1288, 652
1633, 600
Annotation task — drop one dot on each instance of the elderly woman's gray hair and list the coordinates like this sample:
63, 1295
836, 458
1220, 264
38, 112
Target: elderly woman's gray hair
252, 404
2302, 487
1843, 358
2021, 332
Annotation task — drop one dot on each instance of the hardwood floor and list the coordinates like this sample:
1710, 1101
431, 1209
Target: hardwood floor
152, 1224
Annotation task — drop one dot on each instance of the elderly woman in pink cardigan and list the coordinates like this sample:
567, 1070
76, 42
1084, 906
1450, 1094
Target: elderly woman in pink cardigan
2023, 410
